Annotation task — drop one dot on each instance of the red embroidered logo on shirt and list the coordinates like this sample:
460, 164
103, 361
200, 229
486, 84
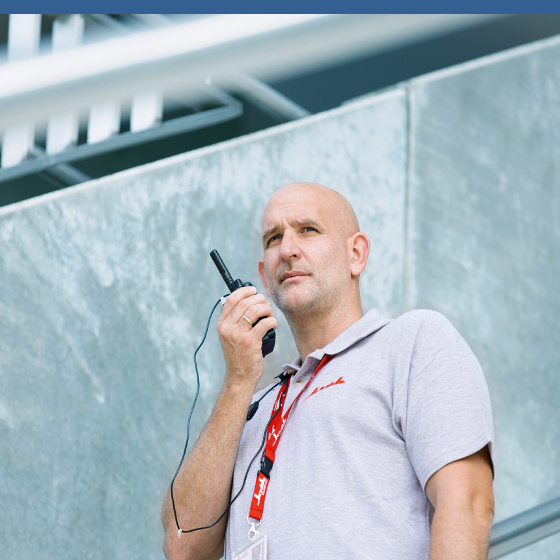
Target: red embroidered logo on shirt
317, 389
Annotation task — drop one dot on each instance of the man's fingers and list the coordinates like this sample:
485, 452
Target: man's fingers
246, 317
235, 297
243, 308
255, 312
264, 325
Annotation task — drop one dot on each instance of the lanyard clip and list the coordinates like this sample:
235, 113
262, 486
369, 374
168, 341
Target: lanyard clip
253, 530
266, 466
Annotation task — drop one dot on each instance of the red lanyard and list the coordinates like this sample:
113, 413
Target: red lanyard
273, 434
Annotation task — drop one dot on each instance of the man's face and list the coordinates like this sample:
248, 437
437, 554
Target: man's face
306, 263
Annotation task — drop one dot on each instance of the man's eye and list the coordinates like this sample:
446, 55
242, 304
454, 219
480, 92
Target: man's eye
309, 228
273, 238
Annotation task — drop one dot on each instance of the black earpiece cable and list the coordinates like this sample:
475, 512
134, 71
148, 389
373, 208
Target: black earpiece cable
252, 410
192, 409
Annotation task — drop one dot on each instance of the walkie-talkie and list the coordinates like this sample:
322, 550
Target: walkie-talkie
270, 337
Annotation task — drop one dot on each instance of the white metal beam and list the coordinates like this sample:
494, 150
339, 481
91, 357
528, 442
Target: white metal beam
23, 41
62, 131
147, 110
104, 121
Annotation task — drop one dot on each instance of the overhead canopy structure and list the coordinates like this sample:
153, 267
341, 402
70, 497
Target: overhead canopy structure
186, 53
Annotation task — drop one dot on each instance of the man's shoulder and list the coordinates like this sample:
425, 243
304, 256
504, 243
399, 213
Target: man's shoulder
425, 327
419, 326
422, 318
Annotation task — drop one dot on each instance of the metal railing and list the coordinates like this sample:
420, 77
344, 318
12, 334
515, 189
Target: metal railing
524, 529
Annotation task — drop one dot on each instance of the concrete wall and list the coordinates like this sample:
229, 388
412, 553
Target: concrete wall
106, 289
484, 222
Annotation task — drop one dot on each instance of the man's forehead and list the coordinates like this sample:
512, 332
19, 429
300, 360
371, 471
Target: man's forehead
298, 202
297, 205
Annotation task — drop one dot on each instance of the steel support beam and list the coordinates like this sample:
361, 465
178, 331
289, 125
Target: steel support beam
63, 172
231, 110
268, 98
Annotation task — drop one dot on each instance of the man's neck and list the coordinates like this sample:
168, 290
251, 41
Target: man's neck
317, 330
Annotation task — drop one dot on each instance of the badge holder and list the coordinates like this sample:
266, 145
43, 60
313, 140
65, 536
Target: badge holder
256, 549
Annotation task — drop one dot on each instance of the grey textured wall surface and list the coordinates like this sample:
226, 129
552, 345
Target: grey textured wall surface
105, 290
484, 231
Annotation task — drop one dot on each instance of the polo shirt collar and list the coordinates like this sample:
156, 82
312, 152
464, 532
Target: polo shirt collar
370, 323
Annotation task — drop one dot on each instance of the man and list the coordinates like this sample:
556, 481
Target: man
385, 453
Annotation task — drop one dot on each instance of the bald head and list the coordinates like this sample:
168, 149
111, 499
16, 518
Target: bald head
314, 254
334, 207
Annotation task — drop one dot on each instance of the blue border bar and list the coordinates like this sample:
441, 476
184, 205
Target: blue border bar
285, 7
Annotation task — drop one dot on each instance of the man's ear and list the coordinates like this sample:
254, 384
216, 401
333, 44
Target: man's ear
358, 246
263, 276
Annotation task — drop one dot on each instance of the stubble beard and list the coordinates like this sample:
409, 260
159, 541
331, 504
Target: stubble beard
314, 299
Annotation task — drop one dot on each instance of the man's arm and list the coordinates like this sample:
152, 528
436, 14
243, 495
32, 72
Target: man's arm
461, 494
203, 485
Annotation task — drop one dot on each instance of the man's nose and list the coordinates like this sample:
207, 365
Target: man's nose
289, 247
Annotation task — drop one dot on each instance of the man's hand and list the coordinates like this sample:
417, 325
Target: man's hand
461, 493
241, 342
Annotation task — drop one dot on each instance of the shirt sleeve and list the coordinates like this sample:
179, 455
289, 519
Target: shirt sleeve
447, 411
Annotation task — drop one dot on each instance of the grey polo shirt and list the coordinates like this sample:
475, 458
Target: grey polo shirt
401, 399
